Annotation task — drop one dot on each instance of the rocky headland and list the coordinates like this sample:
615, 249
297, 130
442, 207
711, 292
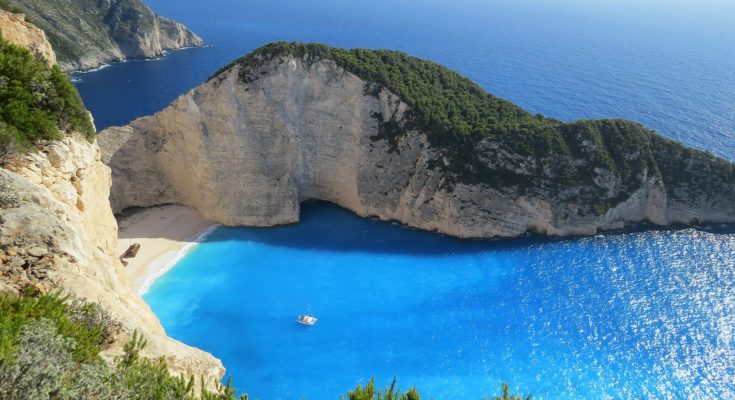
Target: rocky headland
390, 136
86, 35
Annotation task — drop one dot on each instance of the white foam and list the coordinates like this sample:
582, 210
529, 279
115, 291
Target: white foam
167, 261
86, 71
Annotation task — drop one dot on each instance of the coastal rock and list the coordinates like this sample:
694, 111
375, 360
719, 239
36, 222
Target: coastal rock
16, 30
88, 35
50, 242
265, 134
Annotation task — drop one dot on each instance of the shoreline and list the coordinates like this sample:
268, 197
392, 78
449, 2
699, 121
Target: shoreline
165, 234
110, 63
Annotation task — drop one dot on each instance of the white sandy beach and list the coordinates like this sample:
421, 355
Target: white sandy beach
165, 234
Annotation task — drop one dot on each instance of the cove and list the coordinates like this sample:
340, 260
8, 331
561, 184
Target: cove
640, 314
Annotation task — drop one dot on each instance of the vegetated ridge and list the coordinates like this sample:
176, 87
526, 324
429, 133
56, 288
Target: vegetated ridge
392, 136
463, 121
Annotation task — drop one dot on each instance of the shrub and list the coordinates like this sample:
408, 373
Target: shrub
507, 396
389, 393
8, 194
49, 348
16, 312
393, 393
37, 102
40, 364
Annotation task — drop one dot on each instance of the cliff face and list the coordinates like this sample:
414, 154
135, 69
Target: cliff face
17, 31
87, 34
251, 144
57, 231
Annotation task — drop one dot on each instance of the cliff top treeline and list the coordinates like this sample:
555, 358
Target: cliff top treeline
440, 97
474, 131
36, 101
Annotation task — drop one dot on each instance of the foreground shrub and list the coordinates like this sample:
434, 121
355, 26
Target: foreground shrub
37, 102
393, 393
17, 312
49, 349
389, 393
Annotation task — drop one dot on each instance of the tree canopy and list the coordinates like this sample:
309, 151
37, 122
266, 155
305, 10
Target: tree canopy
37, 101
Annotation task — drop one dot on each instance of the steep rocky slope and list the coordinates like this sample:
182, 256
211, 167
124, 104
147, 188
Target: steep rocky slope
57, 230
293, 122
16, 30
88, 33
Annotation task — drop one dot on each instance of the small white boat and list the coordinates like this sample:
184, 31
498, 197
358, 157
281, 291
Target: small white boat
307, 319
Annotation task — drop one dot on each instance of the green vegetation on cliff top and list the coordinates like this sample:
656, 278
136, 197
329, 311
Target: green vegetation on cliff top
442, 98
484, 139
37, 102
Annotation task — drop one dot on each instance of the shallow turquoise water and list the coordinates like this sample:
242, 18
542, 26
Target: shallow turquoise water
646, 314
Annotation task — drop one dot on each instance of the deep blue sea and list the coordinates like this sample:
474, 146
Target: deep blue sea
634, 315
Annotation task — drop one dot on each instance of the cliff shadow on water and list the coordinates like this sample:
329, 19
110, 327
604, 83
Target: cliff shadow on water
329, 227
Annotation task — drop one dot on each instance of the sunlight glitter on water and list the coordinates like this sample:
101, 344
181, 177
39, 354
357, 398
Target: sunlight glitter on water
632, 315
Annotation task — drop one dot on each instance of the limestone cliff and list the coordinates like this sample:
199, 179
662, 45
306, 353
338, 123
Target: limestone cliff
278, 128
57, 231
87, 34
16, 30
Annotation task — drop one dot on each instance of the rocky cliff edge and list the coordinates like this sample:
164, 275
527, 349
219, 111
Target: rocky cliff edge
16, 30
57, 231
86, 35
265, 134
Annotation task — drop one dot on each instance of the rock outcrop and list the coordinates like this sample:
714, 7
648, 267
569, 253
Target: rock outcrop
16, 30
265, 134
57, 231
86, 35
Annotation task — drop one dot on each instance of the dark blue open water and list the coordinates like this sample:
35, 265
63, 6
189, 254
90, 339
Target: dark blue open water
633, 315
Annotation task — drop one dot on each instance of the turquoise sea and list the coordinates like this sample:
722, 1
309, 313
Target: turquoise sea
641, 314
635, 315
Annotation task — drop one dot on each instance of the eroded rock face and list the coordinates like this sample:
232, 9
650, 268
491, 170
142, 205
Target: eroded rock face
57, 231
17, 31
87, 35
248, 152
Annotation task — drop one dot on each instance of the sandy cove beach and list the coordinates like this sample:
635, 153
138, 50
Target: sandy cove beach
165, 234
